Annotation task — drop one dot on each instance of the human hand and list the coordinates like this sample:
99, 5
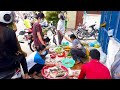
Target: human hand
18, 52
63, 34
65, 37
47, 48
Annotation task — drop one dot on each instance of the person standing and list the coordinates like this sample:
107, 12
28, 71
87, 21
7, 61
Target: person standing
27, 23
37, 32
61, 28
43, 21
9, 50
13, 26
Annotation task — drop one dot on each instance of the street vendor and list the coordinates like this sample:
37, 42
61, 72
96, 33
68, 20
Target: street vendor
94, 69
36, 61
77, 50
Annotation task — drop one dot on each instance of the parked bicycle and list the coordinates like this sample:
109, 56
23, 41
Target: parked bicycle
82, 32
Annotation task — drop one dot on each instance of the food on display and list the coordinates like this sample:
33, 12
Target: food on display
68, 62
55, 72
51, 50
59, 50
69, 54
52, 56
67, 48
50, 61
61, 54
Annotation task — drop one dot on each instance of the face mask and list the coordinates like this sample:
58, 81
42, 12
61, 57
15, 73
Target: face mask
43, 53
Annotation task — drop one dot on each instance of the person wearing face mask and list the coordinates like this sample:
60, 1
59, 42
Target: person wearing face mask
61, 28
36, 61
43, 21
37, 32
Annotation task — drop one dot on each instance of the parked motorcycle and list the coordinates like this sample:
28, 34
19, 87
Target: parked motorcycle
82, 32
29, 38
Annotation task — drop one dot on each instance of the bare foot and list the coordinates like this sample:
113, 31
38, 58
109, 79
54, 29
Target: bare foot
35, 77
26, 76
39, 75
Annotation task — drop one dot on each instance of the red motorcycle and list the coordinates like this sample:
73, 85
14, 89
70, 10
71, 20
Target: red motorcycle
29, 38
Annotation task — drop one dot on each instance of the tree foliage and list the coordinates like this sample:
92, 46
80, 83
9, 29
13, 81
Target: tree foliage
52, 16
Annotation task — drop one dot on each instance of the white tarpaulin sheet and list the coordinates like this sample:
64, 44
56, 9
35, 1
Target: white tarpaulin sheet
113, 47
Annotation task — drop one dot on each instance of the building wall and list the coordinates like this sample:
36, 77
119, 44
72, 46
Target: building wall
71, 15
91, 19
112, 19
93, 12
79, 18
110, 45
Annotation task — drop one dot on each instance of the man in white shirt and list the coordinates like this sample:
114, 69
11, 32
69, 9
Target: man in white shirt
61, 28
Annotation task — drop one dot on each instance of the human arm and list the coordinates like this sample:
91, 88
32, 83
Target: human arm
40, 38
82, 73
19, 48
37, 28
68, 39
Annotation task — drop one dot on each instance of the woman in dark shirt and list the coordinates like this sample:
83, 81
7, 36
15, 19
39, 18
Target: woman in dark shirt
9, 48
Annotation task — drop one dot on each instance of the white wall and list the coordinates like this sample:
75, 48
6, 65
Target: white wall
71, 15
113, 48
91, 19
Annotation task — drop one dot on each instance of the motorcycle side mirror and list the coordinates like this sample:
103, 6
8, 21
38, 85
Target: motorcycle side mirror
103, 25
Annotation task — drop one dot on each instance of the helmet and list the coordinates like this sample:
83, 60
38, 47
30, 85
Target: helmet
6, 17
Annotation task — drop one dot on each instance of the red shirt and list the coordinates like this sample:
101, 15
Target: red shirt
94, 70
